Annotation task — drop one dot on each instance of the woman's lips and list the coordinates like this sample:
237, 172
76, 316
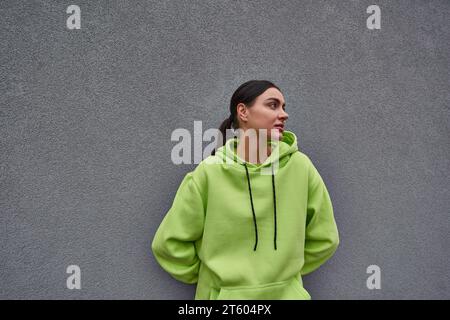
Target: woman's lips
280, 128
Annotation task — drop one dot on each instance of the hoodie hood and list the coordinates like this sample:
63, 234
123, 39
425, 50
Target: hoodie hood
280, 154
281, 151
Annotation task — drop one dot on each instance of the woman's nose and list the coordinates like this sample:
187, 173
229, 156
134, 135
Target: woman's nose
284, 115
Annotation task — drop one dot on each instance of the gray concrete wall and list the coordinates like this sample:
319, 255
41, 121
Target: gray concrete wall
86, 119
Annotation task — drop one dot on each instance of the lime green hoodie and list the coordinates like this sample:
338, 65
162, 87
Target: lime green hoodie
240, 233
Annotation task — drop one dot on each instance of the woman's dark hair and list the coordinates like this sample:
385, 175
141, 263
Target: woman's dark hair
247, 94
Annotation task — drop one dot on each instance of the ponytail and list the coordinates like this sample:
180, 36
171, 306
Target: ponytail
226, 125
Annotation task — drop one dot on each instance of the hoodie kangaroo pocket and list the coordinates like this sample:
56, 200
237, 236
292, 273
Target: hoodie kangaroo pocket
284, 290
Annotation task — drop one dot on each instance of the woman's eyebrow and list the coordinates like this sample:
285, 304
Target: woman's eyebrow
276, 99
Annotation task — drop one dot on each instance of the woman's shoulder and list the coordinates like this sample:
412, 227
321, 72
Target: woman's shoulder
199, 174
302, 158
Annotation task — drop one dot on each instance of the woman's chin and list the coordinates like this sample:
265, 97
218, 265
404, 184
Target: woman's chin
276, 134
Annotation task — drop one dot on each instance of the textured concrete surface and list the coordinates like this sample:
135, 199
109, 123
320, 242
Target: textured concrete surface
86, 118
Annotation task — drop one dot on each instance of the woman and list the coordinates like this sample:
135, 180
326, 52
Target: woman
238, 232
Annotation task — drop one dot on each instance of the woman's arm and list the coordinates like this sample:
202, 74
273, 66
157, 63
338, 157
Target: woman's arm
173, 244
321, 236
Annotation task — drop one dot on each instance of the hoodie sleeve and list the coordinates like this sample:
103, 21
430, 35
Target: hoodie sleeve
321, 235
173, 244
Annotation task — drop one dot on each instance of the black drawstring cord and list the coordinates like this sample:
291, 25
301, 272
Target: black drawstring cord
253, 209
274, 210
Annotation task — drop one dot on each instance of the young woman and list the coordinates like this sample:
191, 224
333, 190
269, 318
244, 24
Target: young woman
239, 232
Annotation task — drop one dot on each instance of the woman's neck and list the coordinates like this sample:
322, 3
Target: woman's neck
250, 151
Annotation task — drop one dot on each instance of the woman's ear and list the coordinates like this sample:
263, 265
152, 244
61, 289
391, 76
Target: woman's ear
242, 112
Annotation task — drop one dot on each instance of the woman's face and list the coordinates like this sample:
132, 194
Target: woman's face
268, 112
